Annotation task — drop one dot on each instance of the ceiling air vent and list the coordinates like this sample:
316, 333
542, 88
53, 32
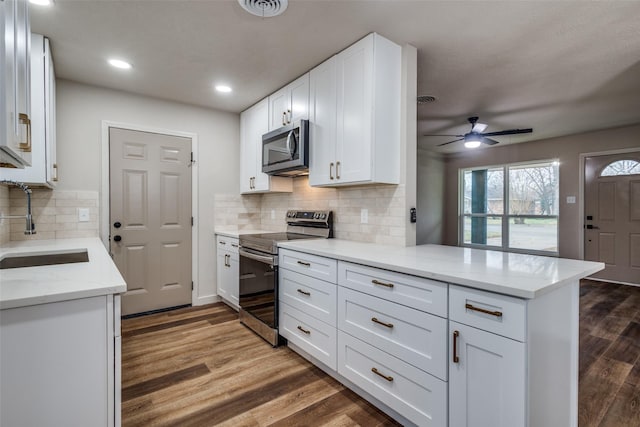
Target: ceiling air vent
264, 8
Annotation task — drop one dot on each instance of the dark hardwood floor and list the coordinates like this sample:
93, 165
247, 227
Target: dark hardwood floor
609, 355
200, 367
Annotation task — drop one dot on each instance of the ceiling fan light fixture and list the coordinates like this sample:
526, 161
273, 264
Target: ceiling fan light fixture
472, 141
264, 8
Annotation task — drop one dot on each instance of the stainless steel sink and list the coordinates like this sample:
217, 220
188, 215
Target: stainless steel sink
39, 259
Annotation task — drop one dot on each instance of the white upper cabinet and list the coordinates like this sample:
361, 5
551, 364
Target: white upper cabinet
15, 110
355, 115
43, 169
290, 103
254, 122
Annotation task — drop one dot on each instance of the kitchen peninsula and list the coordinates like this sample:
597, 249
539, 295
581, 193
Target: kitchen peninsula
436, 334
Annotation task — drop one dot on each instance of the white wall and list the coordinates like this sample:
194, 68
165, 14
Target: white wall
80, 112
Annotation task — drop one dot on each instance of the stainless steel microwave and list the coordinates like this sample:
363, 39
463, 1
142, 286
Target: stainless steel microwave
285, 151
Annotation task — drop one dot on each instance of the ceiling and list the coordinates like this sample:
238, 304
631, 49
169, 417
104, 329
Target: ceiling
560, 67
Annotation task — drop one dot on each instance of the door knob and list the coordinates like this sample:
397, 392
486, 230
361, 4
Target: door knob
117, 224
117, 238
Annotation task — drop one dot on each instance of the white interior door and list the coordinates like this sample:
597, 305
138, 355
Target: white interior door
150, 218
612, 215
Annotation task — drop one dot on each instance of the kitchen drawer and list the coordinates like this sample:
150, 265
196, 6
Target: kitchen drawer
227, 243
310, 334
309, 295
422, 294
415, 337
414, 394
311, 265
491, 312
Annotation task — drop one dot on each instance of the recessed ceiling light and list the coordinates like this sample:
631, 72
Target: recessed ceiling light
118, 63
41, 2
223, 88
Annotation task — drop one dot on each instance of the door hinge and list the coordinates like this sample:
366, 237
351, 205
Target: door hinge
192, 221
192, 285
191, 160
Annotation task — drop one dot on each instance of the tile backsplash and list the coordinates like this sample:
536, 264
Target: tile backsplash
384, 205
55, 214
5, 226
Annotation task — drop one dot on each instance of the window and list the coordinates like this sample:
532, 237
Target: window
622, 167
511, 207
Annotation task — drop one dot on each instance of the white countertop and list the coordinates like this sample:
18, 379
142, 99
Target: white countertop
519, 275
51, 283
233, 232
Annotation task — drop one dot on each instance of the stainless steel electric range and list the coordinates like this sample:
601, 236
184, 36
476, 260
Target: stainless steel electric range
259, 269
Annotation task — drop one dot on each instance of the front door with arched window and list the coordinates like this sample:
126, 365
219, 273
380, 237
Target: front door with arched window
612, 216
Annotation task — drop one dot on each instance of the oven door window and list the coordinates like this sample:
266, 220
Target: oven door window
258, 289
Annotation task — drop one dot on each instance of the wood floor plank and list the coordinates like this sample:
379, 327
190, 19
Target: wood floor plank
158, 383
625, 409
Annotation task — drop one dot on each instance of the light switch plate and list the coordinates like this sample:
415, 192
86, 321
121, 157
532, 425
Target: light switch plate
571, 199
83, 214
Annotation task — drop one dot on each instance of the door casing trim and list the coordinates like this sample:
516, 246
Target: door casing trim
105, 191
581, 184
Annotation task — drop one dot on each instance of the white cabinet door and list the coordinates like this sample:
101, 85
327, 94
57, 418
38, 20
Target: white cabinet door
43, 170
354, 111
487, 381
233, 287
227, 270
254, 123
222, 267
15, 103
322, 115
290, 103
355, 115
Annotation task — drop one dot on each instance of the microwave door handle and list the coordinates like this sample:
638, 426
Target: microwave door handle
291, 140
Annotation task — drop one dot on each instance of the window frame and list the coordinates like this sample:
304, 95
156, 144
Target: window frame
505, 216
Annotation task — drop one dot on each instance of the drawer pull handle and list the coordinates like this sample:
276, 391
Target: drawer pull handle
300, 328
377, 282
306, 264
482, 310
386, 377
234, 245
456, 334
388, 325
304, 292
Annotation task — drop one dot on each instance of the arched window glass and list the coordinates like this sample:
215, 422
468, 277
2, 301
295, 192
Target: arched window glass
622, 167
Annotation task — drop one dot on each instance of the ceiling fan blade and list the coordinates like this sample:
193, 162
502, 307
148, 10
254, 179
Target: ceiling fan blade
479, 127
450, 142
508, 132
489, 141
435, 134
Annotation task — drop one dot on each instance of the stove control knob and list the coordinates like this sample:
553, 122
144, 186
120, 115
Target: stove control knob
315, 215
323, 216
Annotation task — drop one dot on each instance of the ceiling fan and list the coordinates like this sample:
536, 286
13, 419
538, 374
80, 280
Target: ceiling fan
477, 136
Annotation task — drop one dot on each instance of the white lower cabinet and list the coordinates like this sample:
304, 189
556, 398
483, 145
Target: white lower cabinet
418, 396
60, 363
228, 267
310, 334
487, 379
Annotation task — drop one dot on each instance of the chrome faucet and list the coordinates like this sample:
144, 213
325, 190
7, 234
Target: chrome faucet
30, 225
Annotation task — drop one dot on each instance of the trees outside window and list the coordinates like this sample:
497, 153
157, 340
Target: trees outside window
511, 207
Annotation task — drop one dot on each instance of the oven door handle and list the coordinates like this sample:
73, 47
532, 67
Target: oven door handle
266, 259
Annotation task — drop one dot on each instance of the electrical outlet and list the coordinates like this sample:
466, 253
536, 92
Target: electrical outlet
364, 216
83, 214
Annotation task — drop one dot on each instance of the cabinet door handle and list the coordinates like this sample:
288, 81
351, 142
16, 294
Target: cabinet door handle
456, 334
330, 170
306, 264
284, 118
337, 170
25, 146
375, 320
300, 328
386, 377
379, 283
226, 260
55, 172
304, 292
289, 115
482, 310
